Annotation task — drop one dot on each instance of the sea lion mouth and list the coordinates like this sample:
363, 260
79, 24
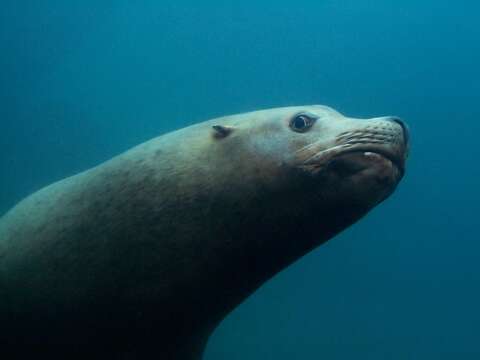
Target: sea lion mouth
347, 159
376, 154
355, 160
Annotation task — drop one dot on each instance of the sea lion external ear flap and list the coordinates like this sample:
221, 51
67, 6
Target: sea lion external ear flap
222, 131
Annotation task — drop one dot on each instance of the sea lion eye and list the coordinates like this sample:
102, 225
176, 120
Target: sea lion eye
302, 122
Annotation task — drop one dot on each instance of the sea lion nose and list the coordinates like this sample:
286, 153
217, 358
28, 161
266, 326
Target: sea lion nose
404, 126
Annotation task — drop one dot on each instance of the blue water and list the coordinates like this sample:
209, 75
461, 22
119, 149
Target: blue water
81, 81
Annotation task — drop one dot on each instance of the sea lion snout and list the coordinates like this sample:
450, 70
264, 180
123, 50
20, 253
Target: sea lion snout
363, 142
387, 137
403, 125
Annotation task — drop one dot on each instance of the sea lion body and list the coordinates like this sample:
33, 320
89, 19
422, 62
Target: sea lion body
145, 254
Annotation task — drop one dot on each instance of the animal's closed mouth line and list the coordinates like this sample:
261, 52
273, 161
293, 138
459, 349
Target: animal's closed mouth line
395, 160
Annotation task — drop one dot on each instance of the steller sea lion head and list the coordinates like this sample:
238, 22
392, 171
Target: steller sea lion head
358, 160
299, 175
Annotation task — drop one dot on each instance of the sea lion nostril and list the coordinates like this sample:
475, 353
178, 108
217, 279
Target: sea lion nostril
406, 135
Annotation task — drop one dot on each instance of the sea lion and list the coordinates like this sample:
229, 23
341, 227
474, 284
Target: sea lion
143, 255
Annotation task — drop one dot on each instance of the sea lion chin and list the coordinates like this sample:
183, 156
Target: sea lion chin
146, 253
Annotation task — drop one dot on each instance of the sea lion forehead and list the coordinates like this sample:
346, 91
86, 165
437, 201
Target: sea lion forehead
279, 113
291, 110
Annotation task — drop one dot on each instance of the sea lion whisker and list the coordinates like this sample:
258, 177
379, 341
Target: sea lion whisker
309, 146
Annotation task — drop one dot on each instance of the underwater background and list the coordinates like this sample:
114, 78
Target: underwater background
81, 81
